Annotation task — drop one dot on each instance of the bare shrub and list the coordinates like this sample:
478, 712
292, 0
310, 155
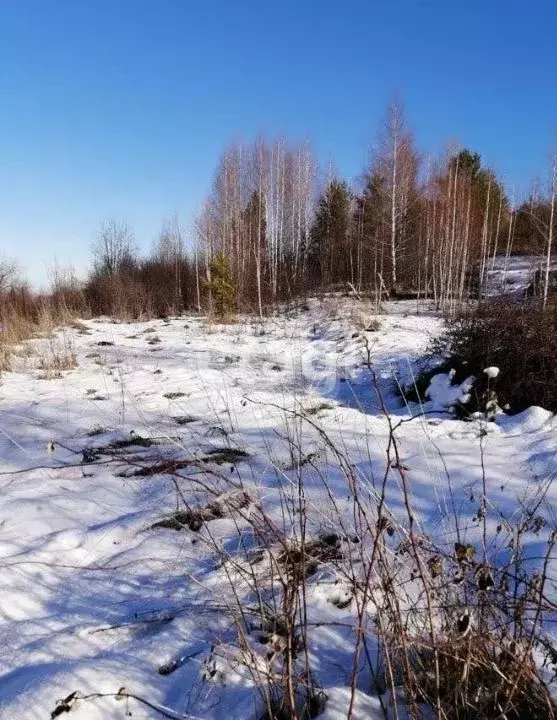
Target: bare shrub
119, 296
456, 626
519, 338
67, 297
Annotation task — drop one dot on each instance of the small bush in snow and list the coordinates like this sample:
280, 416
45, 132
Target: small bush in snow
510, 348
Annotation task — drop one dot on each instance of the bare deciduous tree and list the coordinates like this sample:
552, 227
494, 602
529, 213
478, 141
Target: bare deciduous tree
114, 249
9, 274
550, 229
169, 252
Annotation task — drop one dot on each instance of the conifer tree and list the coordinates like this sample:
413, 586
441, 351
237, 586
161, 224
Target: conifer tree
221, 287
330, 233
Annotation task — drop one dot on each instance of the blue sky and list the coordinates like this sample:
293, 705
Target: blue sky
122, 107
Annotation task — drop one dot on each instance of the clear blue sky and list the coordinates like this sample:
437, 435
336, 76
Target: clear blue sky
121, 107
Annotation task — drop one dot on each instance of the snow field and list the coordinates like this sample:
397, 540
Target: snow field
94, 598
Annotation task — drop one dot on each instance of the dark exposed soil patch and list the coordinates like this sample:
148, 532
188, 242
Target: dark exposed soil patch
302, 560
219, 456
91, 454
185, 419
194, 518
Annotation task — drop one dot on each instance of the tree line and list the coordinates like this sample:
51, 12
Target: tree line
412, 226
273, 229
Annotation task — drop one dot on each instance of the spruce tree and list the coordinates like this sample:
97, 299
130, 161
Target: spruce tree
330, 233
221, 286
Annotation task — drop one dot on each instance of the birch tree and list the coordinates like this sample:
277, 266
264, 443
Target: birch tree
550, 229
397, 163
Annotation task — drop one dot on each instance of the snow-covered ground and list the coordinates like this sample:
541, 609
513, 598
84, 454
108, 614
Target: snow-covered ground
92, 598
513, 275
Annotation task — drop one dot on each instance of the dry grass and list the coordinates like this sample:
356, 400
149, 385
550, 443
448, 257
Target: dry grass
363, 315
23, 317
15, 330
455, 627
56, 356
53, 366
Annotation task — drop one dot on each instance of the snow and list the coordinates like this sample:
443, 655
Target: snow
491, 372
443, 395
533, 420
514, 274
92, 598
